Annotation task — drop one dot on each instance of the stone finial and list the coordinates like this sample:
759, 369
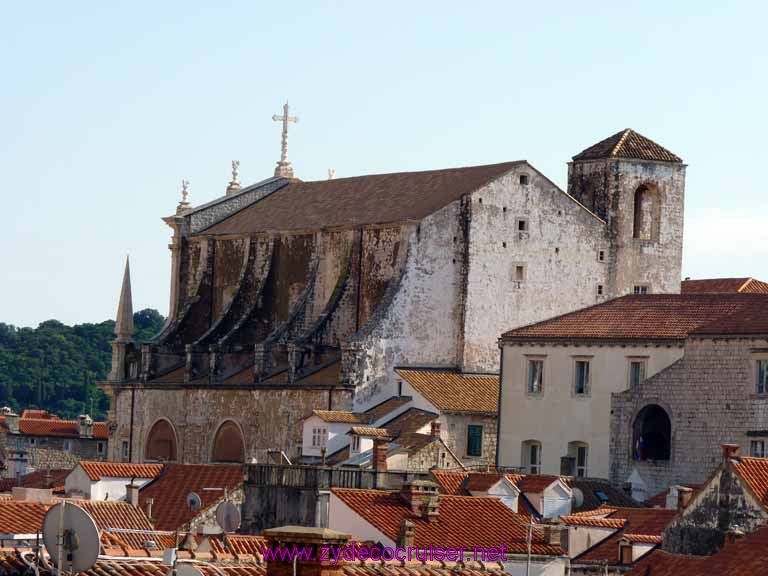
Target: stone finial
124, 321
284, 168
234, 184
184, 204
331, 173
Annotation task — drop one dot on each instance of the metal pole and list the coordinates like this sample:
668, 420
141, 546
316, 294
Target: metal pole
528, 539
60, 537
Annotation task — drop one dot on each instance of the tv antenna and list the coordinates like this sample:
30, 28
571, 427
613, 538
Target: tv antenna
71, 538
194, 502
228, 516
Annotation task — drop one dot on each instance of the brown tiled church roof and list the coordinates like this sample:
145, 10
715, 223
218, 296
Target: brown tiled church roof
654, 317
627, 144
453, 391
373, 199
724, 286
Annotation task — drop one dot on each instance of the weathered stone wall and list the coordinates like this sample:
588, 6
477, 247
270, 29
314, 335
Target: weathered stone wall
559, 253
453, 431
432, 455
709, 396
48, 453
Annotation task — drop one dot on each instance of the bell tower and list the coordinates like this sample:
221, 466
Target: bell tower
638, 188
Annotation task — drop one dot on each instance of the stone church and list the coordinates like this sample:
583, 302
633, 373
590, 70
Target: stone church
288, 295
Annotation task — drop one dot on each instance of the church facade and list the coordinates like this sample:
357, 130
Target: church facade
289, 296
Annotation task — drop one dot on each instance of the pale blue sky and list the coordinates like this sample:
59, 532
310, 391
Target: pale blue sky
106, 106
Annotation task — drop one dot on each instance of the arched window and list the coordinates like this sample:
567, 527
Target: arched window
228, 444
652, 434
647, 214
531, 456
161, 442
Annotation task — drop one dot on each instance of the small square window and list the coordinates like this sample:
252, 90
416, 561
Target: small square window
599, 289
519, 273
601, 255
32, 441
524, 179
522, 225
762, 376
581, 377
640, 289
535, 376
757, 448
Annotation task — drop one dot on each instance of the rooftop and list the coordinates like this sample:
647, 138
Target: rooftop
98, 470
669, 317
342, 417
51, 425
724, 286
628, 144
53, 479
449, 390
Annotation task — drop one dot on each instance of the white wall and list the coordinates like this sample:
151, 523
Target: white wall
557, 416
77, 483
582, 537
337, 437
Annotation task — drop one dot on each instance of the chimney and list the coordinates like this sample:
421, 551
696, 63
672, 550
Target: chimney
11, 420
132, 494
380, 449
31, 494
729, 451
435, 430
423, 497
85, 426
303, 537
150, 501
552, 535
683, 496
406, 535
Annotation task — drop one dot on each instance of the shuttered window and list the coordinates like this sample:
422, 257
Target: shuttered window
474, 440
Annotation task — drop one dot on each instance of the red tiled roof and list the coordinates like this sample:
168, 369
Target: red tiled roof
97, 470
372, 432
450, 482
647, 523
410, 421
724, 286
648, 317
30, 413
602, 511
586, 520
750, 319
469, 521
21, 517
53, 479
372, 199
481, 481
49, 426
170, 489
660, 500
389, 405
754, 472
627, 144
342, 417
453, 391
536, 483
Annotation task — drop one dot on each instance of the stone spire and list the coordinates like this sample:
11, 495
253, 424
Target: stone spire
284, 168
234, 184
124, 321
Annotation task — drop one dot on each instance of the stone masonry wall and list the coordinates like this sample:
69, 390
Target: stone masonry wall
453, 431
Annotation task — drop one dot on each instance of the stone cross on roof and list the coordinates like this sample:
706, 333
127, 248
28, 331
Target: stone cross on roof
284, 168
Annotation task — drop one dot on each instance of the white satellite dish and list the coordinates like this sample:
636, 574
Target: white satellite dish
184, 569
71, 537
228, 516
194, 502
577, 498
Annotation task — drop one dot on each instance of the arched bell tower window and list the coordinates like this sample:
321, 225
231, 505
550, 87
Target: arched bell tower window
228, 444
647, 213
161, 443
652, 434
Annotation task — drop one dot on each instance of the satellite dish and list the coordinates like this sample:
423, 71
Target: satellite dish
184, 569
577, 499
194, 502
74, 528
228, 516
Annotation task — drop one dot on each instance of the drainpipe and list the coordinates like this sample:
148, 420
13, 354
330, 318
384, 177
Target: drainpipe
498, 412
130, 437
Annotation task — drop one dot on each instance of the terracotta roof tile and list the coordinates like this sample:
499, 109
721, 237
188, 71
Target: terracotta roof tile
410, 421
389, 405
584, 520
469, 521
371, 432
724, 286
40, 414
51, 426
599, 493
342, 417
754, 471
627, 144
98, 470
453, 391
21, 517
450, 482
53, 479
169, 490
372, 199
648, 317
536, 483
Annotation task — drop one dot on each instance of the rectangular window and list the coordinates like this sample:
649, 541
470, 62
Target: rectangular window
640, 289
636, 372
757, 448
762, 376
355, 443
32, 441
599, 289
319, 437
124, 450
581, 461
581, 383
601, 255
67, 445
534, 458
518, 274
474, 440
100, 447
535, 376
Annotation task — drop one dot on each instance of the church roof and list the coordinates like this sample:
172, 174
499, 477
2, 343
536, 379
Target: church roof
627, 144
373, 199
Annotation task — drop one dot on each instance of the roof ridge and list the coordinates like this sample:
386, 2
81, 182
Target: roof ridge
620, 143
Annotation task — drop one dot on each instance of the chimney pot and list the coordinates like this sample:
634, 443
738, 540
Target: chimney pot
683, 496
729, 451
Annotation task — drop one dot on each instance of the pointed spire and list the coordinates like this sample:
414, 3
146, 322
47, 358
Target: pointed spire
124, 320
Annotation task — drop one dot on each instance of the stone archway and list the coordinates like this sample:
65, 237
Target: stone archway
647, 213
652, 434
161, 442
228, 443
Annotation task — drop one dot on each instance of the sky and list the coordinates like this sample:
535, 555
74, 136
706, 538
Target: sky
106, 106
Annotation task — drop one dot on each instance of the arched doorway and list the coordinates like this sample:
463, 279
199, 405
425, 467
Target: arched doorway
228, 444
652, 434
161, 442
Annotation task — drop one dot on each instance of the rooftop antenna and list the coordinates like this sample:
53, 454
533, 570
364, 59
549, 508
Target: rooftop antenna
194, 502
71, 537
228, 516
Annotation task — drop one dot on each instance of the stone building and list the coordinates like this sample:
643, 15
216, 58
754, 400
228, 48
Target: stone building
39, 440
291, 296
668, 429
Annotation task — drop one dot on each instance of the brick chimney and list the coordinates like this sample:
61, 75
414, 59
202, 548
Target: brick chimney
11, 420
683, 496
380, 449
423, 498
435, 429
303, 537
406, 535
729, 451
85, 426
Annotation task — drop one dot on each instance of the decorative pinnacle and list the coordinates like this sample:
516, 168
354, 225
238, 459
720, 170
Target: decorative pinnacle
184, 204
284, 168
234, 184
331, 173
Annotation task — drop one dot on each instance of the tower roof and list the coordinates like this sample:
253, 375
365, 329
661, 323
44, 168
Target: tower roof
627, 144
124, 320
